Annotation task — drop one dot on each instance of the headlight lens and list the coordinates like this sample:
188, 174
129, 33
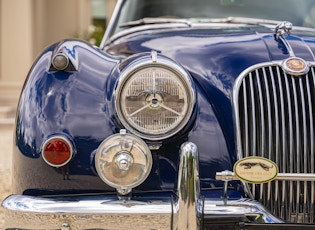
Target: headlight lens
123, 161
155, 98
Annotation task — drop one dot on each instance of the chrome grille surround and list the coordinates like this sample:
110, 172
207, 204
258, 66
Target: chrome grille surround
274, 118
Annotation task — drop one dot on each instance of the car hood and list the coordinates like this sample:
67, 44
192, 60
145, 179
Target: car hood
216, 55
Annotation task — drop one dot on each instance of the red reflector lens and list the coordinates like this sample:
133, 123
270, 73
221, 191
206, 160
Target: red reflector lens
57, 151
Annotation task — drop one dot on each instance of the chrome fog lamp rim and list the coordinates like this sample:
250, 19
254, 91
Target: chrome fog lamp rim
123, 161
154, 91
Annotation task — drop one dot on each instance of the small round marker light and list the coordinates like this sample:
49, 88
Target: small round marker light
60, 61
57, 151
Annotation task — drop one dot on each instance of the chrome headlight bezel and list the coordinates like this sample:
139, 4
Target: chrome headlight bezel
182, 82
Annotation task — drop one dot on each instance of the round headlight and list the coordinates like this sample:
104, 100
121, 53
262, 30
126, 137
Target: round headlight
154, 98
123, 161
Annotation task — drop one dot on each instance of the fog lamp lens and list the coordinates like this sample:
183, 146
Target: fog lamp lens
123, 161
57, 151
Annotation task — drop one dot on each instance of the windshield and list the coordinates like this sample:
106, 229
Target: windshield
299, 12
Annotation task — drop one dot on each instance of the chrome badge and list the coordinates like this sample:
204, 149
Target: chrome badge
256, 170
295, 66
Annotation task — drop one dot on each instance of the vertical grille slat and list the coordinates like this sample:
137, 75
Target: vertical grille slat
275, 117
262, 124
253, 115
246, 120
262, 117
311, 109
269, 130
277, 204
296, 158
282, 159
291, 159
304, 208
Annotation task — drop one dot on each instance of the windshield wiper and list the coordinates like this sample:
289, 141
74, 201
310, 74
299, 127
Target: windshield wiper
146, 21
254, 21
188, 22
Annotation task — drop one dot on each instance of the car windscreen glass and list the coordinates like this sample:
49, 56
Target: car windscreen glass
299, 12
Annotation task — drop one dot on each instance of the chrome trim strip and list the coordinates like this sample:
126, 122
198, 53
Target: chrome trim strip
298, 148
268, 132
262, 126
291, 141
305, 145
254, 114
283, 141
246, 119
312, 146
228, 175
248, 208
288, 46
262, 117
277, 136
112, 23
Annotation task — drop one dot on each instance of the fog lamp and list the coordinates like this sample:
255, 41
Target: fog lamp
123, 161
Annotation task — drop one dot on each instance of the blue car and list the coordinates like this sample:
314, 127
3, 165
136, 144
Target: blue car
189, 115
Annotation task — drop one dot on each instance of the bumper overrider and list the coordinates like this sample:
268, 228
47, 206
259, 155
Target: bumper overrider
185, 210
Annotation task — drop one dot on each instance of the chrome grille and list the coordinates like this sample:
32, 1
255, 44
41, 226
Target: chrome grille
275, 115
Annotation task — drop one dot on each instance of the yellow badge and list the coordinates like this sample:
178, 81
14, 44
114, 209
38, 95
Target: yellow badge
256, 170
295, 66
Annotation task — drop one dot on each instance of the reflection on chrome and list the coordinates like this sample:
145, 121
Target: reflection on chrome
184, 211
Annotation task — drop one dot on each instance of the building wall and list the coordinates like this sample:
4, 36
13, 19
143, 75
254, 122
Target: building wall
16, 39
28, 26
55, 20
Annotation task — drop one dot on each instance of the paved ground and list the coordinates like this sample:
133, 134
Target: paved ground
6, 142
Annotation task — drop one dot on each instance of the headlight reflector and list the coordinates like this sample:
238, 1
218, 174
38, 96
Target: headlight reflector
154, 98
123, 161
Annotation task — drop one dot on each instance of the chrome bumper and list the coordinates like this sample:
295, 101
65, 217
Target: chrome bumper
186, 210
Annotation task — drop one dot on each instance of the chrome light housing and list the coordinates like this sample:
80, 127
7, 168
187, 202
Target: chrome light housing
60, 61
154, 97
123, 161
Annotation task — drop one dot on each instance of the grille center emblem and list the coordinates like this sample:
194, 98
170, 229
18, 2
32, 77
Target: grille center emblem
295, 66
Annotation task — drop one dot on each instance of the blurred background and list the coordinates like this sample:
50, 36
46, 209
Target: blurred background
28, 26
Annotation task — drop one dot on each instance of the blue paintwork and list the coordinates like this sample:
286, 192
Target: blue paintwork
79, 104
